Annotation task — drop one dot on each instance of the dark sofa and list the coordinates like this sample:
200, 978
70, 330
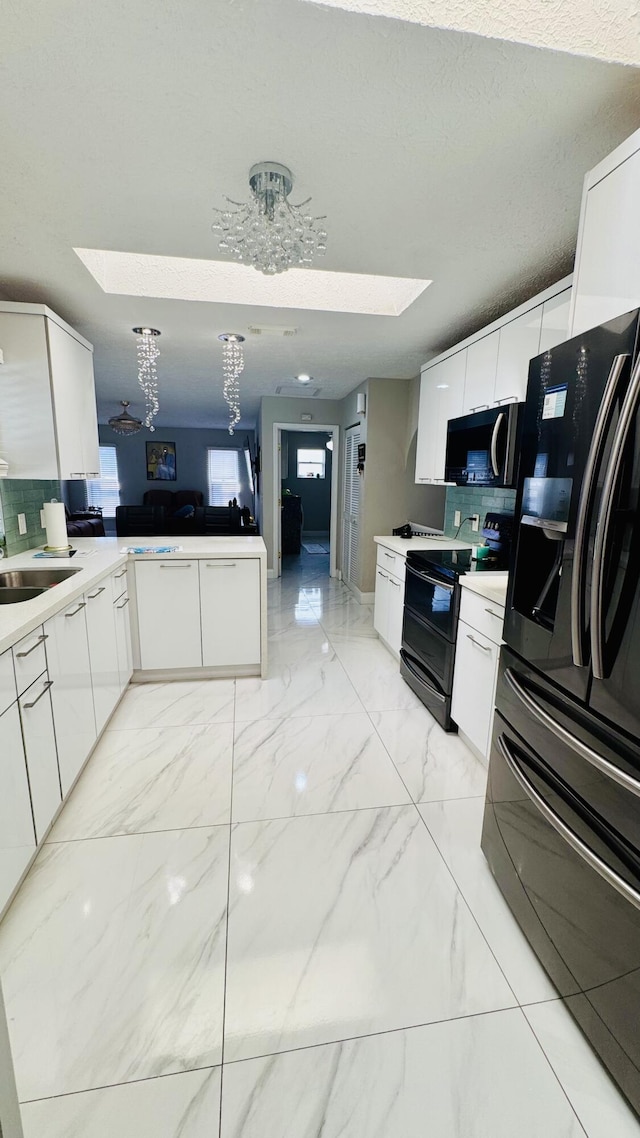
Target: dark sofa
153, 520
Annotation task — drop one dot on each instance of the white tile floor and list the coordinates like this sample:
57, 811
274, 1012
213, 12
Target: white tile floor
368, 981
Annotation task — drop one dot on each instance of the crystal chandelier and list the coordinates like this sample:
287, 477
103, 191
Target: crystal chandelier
269, 232
148, 352
125, 424
232, 368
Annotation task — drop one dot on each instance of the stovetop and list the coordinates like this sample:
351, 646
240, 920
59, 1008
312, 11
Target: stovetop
451, 563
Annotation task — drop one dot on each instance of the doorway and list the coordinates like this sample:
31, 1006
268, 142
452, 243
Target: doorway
351, 507
306, 467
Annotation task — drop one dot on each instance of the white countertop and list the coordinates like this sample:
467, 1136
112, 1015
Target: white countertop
100, 556
490, 584
402, 545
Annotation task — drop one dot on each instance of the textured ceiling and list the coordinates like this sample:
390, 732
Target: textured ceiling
435, 154
600, 29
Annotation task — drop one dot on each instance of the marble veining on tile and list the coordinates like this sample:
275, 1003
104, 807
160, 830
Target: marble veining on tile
374, 934
179, 704
433, 764
318, 687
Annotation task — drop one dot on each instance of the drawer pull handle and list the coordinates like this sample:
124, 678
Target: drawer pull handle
124, 604
477, 643
497, 615
391, 555
45, 688
396, 584
92, 596
221, 564
178, 565
119, 575
381, 574
21, 655
82, 605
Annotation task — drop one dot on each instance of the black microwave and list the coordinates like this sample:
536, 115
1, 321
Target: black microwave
483, 448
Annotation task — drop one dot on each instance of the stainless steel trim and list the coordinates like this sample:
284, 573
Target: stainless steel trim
438, 695
581, 749
477, 643
81, 605
45, 688
584, 507
581, 848
627, 413
21, 655
92, 596
124, 603
178, 565
498, 615
494, 443
431, 580
220, 564
543, 523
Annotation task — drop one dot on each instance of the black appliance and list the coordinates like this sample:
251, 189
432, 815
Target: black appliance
483, 448
562, 819
431, 607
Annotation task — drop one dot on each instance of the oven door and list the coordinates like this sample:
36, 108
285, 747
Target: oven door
433, 601
573, 882
433, 651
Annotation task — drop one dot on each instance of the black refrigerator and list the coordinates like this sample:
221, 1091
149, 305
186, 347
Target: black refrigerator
562, 818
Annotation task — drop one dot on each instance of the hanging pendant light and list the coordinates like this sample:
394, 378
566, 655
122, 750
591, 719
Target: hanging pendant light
232, 368
148, 352
125, 424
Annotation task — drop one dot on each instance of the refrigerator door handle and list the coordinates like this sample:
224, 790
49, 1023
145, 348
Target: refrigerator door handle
494, 444
594, 459
581, 848
627, 414
581, 749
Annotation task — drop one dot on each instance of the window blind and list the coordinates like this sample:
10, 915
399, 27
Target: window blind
224, 476
105, 490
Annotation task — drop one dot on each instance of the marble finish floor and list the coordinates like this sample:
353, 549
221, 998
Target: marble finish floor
264, 913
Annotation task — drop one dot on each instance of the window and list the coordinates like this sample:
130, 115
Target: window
311, 463
105, 490
224, 476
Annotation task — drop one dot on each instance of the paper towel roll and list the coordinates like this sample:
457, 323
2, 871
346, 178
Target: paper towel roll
56, 525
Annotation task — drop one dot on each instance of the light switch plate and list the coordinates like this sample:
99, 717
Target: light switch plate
475, 524
22, 523
456, 518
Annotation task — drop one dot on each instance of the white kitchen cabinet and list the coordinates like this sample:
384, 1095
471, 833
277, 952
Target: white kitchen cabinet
48, 415
395, 614
451, 397
103, 650
230, 608
8, 691
168, 603
40, 749
427, 425
519, 343
555, 321
480, 375
474, 685
29, 658
121, 614
607, 273
441, 399
381, 603
388, 610
71, 692
17, 835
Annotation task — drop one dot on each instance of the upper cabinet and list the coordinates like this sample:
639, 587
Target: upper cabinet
490, 367
607, 273
48, 415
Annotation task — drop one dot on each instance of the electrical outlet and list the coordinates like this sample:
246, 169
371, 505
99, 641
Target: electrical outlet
43, 524
456, 518
475, 524
22, 523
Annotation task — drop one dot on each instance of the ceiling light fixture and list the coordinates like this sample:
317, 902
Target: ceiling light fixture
304, 378
125, 424
232, 368
148, 352
329, 444
269, 232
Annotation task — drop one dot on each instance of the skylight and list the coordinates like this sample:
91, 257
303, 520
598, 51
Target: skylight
224, 282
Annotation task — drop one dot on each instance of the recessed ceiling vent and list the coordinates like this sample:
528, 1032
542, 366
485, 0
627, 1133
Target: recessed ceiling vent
297, 391
271, 330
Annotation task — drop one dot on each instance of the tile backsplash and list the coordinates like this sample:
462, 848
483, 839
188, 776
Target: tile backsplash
475, 500
24, 496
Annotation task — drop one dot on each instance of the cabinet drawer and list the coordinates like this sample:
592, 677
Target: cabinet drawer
485, 616
17, 835
119, 583
29, 658
230, 605
42, 756
474, 685
8, 691
391, 562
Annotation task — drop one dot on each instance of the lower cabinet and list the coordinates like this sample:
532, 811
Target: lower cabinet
389, 609
17, 835
123, 640
103, 651
476, 668
230, 612
40, 749
168, 599
71, 692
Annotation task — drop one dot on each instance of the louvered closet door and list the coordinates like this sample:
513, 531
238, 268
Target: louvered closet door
351, 508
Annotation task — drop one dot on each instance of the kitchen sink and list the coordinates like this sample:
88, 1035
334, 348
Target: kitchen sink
13, 596
40, 579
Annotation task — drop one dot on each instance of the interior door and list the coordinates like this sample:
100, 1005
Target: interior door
351, 507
